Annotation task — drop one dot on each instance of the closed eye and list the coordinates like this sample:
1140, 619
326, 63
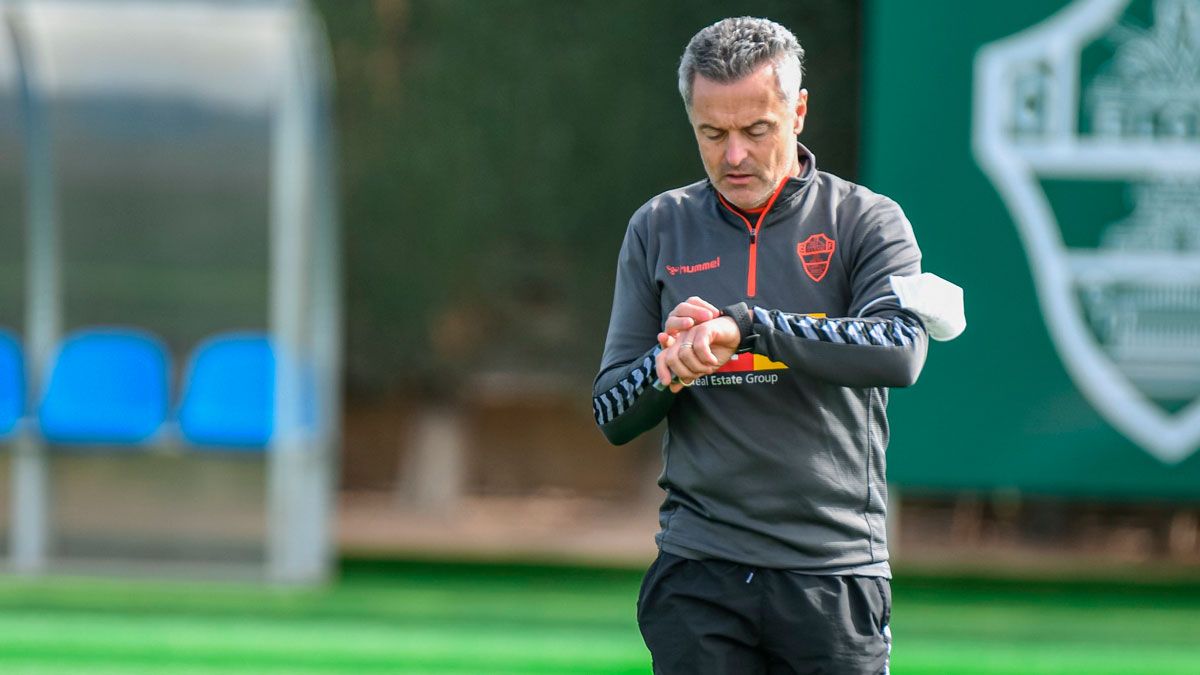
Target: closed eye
758, 129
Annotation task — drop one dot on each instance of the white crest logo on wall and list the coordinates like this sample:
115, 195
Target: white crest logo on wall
1101, 103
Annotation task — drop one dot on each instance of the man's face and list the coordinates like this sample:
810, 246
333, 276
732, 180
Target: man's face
747, 135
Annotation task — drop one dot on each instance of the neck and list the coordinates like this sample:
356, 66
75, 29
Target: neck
797, 165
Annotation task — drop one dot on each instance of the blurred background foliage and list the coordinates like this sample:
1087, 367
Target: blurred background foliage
492, 153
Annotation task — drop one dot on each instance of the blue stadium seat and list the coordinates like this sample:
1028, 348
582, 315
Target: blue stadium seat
106, 386
229, 397
12, 384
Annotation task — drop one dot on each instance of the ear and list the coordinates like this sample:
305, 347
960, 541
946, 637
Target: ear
801, 111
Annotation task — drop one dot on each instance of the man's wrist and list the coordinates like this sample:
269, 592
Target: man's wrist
741, 316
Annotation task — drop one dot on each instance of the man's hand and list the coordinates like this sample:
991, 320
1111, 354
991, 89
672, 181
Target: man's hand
699, 351
687, 314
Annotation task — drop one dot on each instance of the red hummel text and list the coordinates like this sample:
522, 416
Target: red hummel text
692, 269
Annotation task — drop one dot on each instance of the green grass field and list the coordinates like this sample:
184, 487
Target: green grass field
506, 619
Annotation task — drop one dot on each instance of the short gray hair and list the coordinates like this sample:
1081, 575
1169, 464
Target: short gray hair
731, 49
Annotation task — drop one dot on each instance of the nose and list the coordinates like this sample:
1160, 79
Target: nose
735, 151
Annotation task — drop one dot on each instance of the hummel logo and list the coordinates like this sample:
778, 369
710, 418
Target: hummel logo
692, 269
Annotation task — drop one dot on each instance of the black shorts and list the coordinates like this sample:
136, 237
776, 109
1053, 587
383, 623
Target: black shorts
709, 617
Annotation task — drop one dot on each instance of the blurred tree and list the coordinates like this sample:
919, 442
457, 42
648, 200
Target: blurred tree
492, 154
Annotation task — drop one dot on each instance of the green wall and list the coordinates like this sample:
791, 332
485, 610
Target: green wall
995, 409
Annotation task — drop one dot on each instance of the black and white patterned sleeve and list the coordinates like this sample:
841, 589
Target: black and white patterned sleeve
632, 403
884, 350
901, 331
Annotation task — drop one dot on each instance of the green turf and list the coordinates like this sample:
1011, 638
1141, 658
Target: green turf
478, 619
973, 627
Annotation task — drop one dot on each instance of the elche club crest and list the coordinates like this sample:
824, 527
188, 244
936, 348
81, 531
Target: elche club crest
1088, 124
815, 254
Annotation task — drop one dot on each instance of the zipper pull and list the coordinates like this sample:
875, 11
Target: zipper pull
753, 238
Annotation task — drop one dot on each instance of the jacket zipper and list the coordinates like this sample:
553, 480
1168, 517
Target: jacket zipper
752, 271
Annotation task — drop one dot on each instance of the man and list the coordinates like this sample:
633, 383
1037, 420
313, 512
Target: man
766, 289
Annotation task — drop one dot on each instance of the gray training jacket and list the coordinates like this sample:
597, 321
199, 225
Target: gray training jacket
778, 459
